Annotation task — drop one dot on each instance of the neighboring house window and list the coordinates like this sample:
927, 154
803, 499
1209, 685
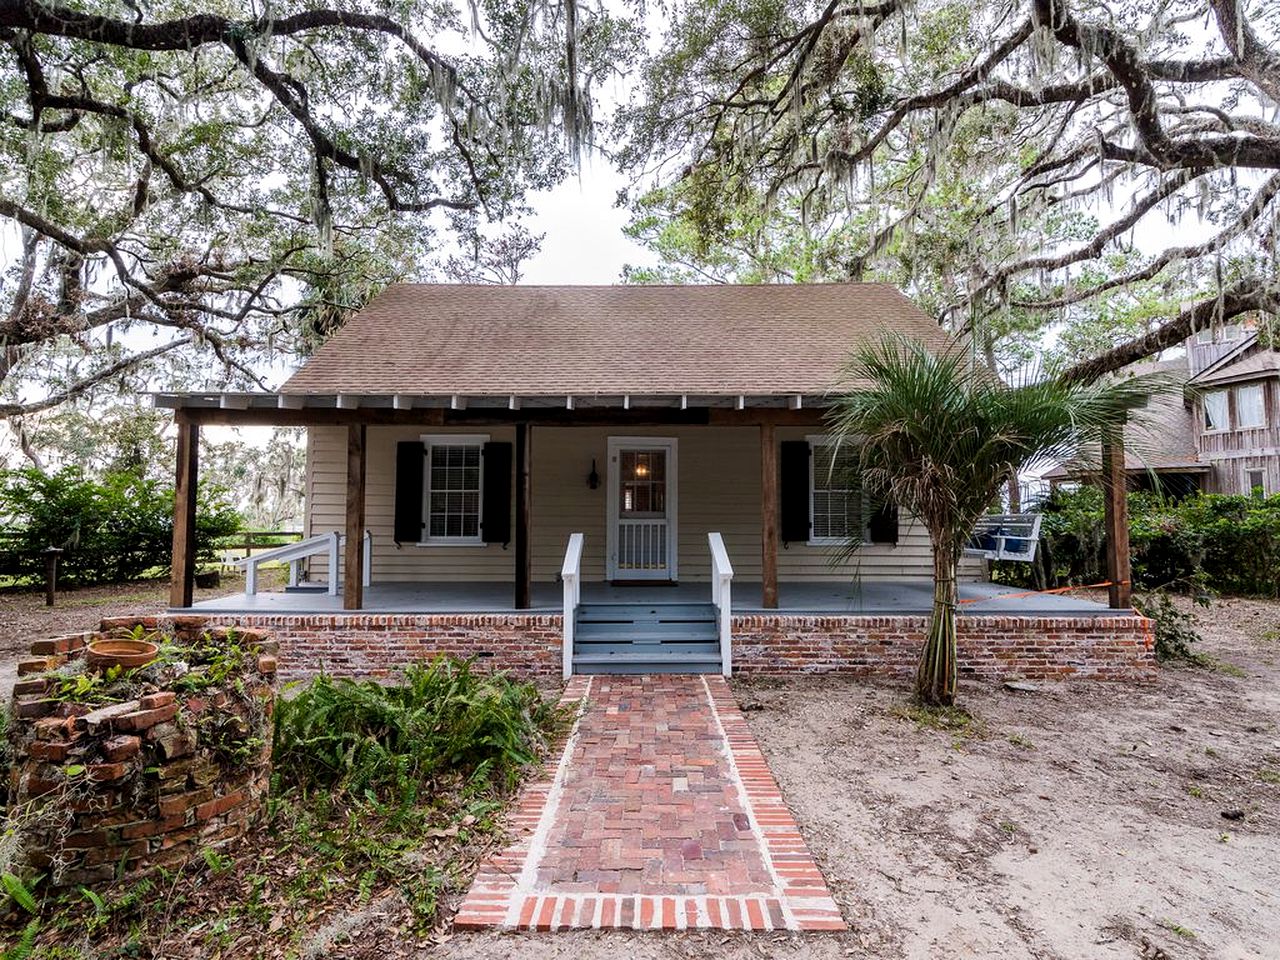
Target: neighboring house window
836, 498
1255, 483
1228, 334
1216, 416
452, 488
1250, 409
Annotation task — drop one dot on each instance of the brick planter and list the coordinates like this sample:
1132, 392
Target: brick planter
118, 789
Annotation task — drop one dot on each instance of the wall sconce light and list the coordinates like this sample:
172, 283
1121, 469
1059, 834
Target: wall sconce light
593, 478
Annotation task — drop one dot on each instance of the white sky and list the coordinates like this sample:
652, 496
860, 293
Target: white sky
584, 241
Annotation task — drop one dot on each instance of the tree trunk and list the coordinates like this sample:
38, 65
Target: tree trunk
936, 678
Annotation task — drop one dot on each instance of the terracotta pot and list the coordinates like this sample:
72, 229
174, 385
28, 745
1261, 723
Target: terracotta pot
104, 654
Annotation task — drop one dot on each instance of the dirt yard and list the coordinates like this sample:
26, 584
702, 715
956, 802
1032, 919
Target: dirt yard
1080, 821
1086, 821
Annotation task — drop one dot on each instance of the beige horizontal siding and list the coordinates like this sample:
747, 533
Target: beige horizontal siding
719, 489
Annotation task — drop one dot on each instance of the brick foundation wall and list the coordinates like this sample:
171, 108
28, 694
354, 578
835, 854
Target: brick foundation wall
990, 648
374, 645
1102, 647
117, 790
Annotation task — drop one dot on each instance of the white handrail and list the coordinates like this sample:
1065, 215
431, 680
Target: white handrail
571, 575
294, 553
721, 596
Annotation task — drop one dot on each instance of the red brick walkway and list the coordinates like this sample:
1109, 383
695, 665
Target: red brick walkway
659, 814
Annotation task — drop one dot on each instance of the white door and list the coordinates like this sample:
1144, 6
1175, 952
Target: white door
642, 508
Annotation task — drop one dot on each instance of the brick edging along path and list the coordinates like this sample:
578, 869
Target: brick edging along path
659, 813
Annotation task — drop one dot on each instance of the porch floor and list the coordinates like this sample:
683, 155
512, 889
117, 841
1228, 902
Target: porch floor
902, 597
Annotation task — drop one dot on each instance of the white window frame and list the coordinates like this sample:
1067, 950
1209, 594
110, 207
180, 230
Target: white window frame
1226, 425
1262, 406
450, 440
1248, 486
864, 535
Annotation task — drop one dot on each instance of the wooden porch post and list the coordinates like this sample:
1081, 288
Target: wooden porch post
768, 516
1116, 504
353, 557
183, 565
524, 504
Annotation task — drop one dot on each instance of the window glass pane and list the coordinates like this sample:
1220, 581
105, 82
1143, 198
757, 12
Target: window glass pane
453, 501
1255, 483
836, 494
1249, 406
1215, 411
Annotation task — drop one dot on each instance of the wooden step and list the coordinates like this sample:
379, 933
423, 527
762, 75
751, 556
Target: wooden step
648, 632
645, 612
700, 658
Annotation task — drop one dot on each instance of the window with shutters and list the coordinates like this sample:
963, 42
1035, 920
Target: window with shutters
837, 504
453, 483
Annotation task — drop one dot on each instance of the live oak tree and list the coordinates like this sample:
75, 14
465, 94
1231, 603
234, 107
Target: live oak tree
188, 190
1108, 168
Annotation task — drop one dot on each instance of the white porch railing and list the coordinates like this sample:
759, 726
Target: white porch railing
721, 582
295, 553
571, 575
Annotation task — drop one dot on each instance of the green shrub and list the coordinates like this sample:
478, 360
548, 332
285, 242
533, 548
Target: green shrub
1229, 544
1175, 632
442, 720
110, 530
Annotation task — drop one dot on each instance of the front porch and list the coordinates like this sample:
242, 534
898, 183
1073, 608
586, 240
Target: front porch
872, 597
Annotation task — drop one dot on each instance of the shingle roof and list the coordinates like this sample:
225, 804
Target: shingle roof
1251, 361
429, 339
1161, 436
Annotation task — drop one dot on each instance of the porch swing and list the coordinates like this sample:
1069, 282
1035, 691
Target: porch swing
1005, 536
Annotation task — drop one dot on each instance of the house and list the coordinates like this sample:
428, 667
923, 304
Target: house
1236, 409
1221, 434
570, 479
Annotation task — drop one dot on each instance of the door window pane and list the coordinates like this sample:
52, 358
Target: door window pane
642, 477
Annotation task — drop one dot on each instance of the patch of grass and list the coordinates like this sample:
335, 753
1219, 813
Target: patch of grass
1176, 928
954, 720
1021, 742
1210, 752
1222, 666
1268, 775
1195, 791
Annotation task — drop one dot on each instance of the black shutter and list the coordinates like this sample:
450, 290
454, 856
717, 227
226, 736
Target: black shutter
884, 523
409, 465
495, 523
793, 491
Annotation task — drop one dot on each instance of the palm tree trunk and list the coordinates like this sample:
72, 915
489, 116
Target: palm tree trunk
936, 678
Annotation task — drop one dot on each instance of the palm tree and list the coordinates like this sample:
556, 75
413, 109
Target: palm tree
939, 436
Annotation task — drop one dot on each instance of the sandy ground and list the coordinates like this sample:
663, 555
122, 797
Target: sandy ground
1082, 821
1078, 821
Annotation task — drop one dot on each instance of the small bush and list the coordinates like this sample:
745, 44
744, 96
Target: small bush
1175, 631
443, 720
